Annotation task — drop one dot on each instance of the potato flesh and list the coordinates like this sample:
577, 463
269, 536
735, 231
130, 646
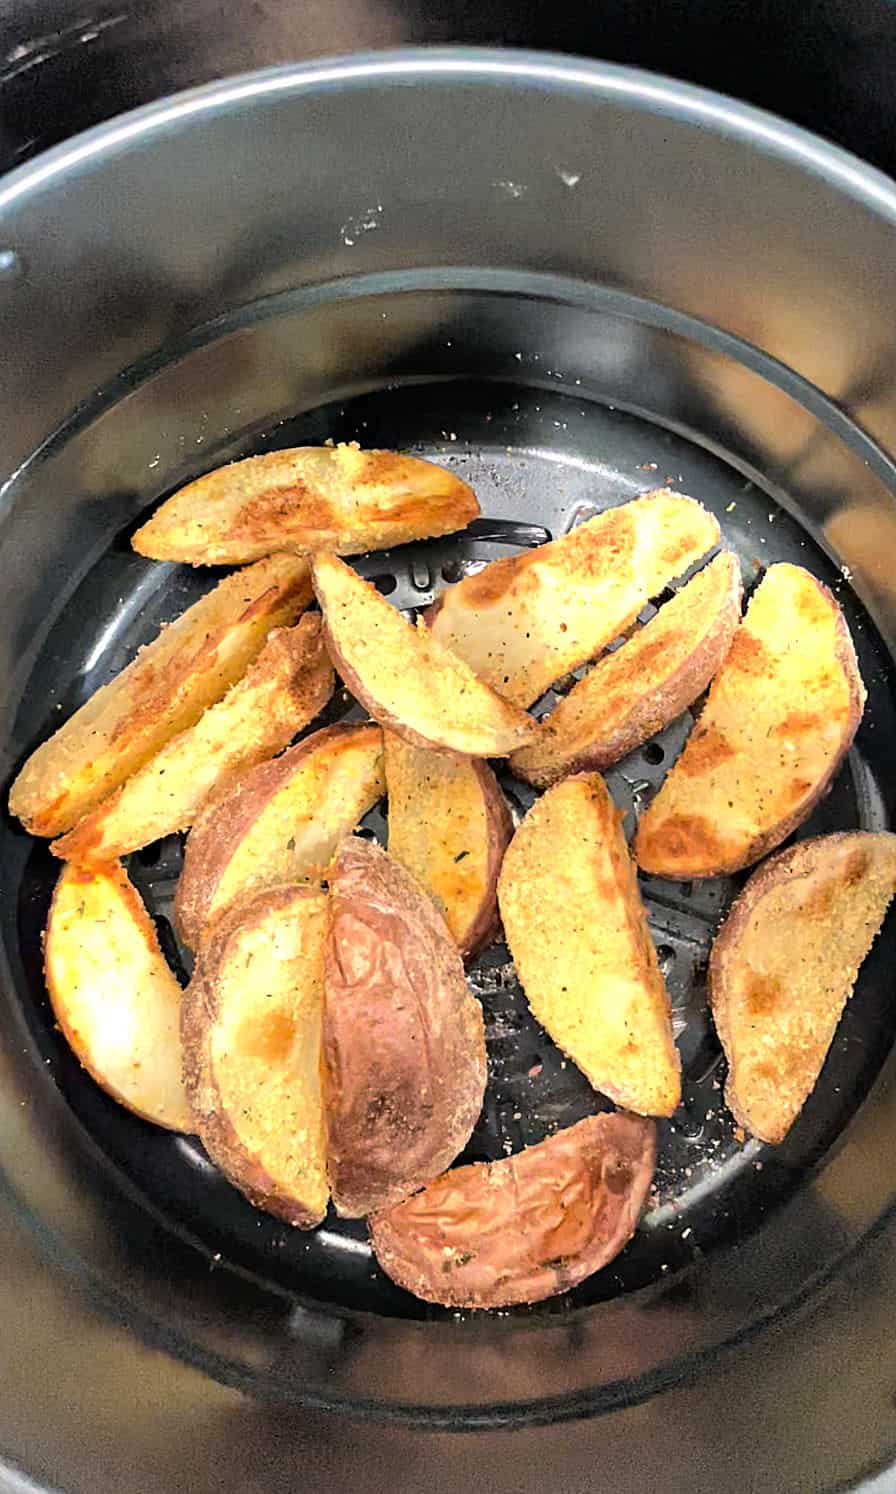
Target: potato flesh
525, 620
113, 994
444, 832
637, 690
296, 834
780, 714
163, 691
265, 1050
578, 934
785, 964
286, 686
305, 499
404, 677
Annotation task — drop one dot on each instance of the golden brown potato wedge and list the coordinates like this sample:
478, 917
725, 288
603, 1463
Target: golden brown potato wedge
252, 1051
404, 678
284, 688
644, 685
404, 1045
526, 1227
281, 823
163, 691
780, 717
578, 934
449, 826
524, 621
113, 994
335, 498
785, 963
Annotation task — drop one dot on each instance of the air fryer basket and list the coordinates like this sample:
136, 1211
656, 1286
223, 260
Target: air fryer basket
571, 285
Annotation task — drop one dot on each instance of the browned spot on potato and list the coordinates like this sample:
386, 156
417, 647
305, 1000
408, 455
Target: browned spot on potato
679, 548
748, 654
762, 993
798, 721
269, 1040
856, 867
706, 749
277, 504
796, 791
380, 467
490, 585
690, 836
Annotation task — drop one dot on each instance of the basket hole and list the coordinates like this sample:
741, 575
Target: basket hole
654, 754
666, 956
384, 584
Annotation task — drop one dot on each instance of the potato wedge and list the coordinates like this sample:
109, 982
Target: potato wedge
779, 719
285, 688
525, 620
644, 685
252, 1051
404, 1043
784, 965
113, 995
335, 498
163, 691
404, 677
449, 826
497, 1234
281, 823
578, 934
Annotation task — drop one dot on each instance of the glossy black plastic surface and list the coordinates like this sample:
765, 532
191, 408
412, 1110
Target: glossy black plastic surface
568, 328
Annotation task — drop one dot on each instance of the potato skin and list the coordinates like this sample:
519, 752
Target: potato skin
198, 1015
404, 1044
526, 1227
500, 834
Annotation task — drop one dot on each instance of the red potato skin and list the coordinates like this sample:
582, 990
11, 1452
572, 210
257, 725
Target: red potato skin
504, 1233
198, 1015
404, 1043
487, 922
223, 823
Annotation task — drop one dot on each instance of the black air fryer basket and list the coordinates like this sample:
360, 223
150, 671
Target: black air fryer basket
570, 284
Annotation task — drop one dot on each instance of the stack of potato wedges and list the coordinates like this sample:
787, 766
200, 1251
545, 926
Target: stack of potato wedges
328, 1050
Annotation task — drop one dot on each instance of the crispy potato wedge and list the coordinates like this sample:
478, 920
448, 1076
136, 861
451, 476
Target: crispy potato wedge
113, 994
163, 691
780, 717
524, 621
784, 965
578, 934
252, 1051
284, 688
404, 1043
449, 826
497, 1234
281, 823
645, 684
404, 677
335, 498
